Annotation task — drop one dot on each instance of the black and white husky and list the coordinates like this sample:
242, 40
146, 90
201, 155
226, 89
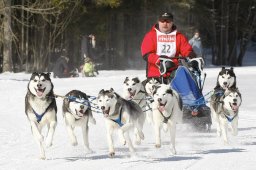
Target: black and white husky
225, 110
77, 113
167, 111
120, 114
226, 79
134, 90
150, 84
41, 109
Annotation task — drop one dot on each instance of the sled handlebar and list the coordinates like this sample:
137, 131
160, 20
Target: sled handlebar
162, 72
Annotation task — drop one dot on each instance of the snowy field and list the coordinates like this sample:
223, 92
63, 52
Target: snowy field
195, 151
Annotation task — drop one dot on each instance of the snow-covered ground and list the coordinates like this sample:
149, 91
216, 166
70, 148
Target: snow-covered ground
18, 150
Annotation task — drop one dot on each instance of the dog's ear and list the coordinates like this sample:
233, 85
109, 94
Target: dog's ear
223, 68
154, 89
33, 75
48, 75
126, 79
136, 80
232, 69
102, 91
111, 90
169, 91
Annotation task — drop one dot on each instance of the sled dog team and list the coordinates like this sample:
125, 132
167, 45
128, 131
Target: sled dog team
149, 100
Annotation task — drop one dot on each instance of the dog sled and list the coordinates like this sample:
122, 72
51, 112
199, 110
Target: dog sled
189, 84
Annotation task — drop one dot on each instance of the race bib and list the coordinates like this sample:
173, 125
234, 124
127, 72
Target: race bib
166, 43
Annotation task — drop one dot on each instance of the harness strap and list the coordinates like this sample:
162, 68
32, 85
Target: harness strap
119, 119
229, 118
38, 116
166, 118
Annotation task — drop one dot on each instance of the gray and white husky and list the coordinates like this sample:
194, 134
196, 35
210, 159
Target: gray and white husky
41, 109
122, 115
134, 90
167, 111
225, 111
77, 113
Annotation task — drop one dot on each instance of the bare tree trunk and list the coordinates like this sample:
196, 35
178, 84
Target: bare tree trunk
7, 44
234, 36
251, 21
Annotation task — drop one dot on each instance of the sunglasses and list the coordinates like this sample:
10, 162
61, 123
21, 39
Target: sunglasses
165, 20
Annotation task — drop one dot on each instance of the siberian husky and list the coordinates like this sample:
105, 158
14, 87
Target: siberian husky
167, 111
134, 90
226, 79
225, 110
41, 109
150, 84
77, 113
120, 114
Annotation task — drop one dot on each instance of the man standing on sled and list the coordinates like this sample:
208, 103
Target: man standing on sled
162, 43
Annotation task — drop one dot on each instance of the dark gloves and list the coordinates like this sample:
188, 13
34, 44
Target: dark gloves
165, 64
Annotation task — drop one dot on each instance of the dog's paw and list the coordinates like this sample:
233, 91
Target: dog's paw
137, 142
74, 143
173, 150
89, 151
123, 142
218, 133
92, 120
158, 145
48, 144
42, 157
111, 154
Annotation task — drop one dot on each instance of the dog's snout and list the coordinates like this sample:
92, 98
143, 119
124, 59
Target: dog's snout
129, 89
102, 107
39, 85
225, 83
81, 106
159, 99
235, 100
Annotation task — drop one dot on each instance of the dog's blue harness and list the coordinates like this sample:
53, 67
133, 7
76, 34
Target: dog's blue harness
119, 119
38, 116
230, 119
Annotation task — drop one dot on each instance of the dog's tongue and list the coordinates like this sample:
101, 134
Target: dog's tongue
39, 93
234, 107
161, 108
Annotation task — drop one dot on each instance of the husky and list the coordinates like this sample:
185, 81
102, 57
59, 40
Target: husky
226, 79
41, 109
134, 90
226, 110
150, 84
77, 113
122, 115
167, 111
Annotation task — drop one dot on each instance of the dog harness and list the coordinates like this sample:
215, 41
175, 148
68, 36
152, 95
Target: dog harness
166, 118
38, 116
229, 118
119, 119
